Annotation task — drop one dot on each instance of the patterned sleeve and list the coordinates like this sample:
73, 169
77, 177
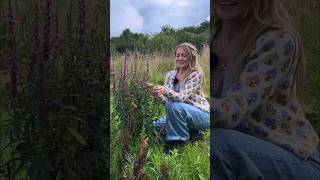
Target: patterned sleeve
166, 81
193, 83
166, 84
268, 63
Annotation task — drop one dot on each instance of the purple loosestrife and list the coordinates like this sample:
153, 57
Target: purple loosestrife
36, 49
113, 78
82, 15
123, 77
13, 60
46, 33
131, 67
70, 39
36, 53
43, 65
125, 68
136, 59
106, 64
120, 78
141, 159
57, 38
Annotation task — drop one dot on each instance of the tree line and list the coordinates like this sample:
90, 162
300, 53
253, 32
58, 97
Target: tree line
163, 42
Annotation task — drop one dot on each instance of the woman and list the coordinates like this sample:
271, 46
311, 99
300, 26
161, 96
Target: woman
259, 129
187, 110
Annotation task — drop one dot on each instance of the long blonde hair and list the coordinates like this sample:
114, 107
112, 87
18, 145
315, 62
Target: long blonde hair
192, 54
264, 15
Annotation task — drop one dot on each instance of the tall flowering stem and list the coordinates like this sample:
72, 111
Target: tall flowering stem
43, 64
46, 33
113, 78
57, 37
134, 107
13, 60
136, 59
82, 15
36, 52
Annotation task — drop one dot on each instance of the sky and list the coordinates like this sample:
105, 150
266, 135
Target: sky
148, 16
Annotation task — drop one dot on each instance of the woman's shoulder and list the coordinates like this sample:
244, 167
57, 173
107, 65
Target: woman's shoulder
274, 36
277, 41
171, 73
196, 74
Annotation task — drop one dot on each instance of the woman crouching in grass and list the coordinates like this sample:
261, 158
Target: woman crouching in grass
187, 110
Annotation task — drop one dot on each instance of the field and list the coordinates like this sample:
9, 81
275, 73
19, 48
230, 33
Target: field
190, 162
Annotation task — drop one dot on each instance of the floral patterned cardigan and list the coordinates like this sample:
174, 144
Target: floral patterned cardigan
263, 101
191, 93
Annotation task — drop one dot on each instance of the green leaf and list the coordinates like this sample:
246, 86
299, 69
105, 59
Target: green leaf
78, 136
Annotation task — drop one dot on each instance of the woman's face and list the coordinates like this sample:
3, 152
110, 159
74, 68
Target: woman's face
232, 9
182, 59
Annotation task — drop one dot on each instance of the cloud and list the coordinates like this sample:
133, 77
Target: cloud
123, 17
149, 16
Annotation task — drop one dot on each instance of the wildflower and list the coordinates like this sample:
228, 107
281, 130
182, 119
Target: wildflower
13, 60
46, 33
113, 78
82, 9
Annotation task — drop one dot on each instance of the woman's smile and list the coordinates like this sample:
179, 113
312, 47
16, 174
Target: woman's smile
228, 3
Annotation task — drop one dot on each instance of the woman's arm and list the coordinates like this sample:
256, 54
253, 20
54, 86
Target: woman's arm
269, 62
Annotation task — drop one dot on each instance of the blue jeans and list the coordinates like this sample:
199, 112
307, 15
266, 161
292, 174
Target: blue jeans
237, 155
180, 118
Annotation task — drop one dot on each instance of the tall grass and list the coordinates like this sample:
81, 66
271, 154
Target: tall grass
306, 15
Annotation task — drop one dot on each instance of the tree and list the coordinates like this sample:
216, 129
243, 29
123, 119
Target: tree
167, 30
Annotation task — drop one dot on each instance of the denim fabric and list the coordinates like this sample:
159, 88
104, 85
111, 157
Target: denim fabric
180, 118
237, 155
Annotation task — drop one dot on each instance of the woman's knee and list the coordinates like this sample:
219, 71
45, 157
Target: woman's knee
221, 138
174, 106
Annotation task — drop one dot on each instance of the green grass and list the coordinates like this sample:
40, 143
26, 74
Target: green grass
307, 19
188, 162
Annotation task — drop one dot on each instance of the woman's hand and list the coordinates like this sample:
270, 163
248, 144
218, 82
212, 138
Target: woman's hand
158, 90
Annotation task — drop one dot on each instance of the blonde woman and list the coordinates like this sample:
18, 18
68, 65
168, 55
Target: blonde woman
187, 110
259, 129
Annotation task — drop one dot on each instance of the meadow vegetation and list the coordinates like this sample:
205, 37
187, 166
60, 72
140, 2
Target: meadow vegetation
133, 109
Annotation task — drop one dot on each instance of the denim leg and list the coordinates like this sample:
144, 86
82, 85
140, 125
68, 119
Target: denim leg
160, 124
237, 155
182, 117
